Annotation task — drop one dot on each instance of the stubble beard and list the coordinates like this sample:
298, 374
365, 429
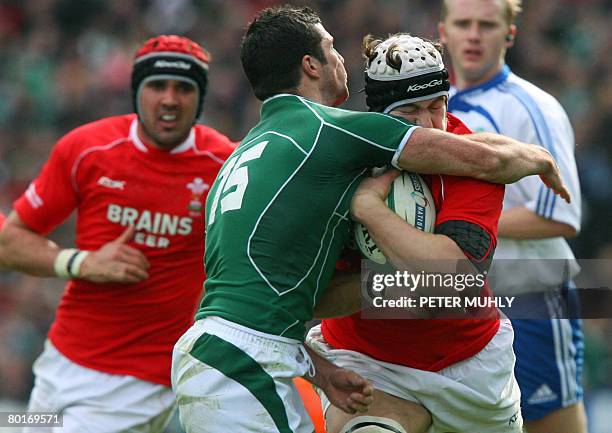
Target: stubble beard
165, 140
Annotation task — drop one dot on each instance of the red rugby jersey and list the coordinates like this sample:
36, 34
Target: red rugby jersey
113, 179
2, 218
435, 344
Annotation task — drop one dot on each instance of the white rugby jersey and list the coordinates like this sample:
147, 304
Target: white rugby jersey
512, 106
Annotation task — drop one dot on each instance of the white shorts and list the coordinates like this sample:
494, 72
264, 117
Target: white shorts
96, 402
229, 378
479, 394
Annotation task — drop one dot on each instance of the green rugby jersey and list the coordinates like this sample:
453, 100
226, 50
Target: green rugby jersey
278, 213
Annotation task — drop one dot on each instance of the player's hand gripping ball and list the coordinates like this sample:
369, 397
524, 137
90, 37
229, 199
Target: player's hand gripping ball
411, 199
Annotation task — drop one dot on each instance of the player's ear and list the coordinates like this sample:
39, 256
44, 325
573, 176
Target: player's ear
311, 66
442, 32
510, 36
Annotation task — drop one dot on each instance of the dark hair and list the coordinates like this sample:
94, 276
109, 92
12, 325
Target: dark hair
273, 47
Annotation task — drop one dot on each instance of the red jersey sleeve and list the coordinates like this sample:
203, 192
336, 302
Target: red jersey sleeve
51, 197
471, 200
468, 199
2, 218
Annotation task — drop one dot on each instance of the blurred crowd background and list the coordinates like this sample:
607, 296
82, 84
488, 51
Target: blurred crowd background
66, 62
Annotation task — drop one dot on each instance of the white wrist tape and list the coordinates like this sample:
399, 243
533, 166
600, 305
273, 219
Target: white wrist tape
74, 265
68, 262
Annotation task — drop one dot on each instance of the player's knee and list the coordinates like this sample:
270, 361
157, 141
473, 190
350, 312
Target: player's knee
372, 424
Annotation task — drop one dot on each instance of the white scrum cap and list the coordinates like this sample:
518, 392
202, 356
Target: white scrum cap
404, 69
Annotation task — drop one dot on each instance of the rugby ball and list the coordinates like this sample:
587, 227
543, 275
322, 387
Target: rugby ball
411, 199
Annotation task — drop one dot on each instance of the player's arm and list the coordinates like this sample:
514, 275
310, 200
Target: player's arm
344, 388
25, 250
468, 213
399, 241
522, 223
484, 156
541, 216
408, 248
20, 251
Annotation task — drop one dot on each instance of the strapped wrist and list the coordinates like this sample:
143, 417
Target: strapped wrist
68, 262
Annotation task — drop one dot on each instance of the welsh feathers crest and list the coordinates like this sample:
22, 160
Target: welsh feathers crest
197, 187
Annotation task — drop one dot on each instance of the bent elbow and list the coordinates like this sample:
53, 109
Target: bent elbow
569, 232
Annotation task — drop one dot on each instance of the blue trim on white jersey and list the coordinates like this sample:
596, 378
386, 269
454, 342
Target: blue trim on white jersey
499, 78
552, 206
546, 207
542, 205
458, 105
540, 192
537, 118
503, 82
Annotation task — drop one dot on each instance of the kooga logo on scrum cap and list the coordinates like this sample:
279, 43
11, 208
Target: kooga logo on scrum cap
432, 83
177, 64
